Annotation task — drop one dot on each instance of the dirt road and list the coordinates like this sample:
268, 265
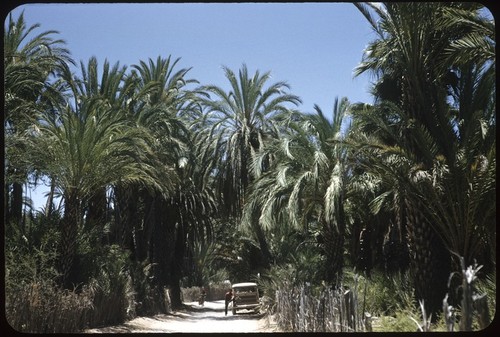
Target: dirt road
209, 318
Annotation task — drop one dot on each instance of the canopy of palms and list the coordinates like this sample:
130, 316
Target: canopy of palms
84, 152
90, 144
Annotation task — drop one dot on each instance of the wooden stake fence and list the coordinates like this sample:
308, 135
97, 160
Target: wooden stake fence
298, 310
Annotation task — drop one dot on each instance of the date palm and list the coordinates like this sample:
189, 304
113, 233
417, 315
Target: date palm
29, 63
150, 100
31, 60
386, 156
305, 188
240, 121
111, 88
191, 211
162, 103
167, 224
417, 76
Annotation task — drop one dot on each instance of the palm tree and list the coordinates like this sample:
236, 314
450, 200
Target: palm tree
111, 87
239, 123
413, 60
191, 210
31, 63
306, 187
460, 194
171, 221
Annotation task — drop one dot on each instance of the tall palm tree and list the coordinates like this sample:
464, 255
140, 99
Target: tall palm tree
111, 87
240, 121
192, 210
407, 55
416, 63
306, 186
31, 61
456, 200
171, 222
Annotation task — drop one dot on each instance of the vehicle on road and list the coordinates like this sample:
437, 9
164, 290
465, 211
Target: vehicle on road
246, 296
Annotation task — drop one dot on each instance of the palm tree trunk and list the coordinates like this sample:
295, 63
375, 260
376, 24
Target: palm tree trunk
176, 267
430, 261
364, 256
160, 241
16, 206
395, 246
97, 208
264, 247
334, 244
126, 203
49, 205
68, 245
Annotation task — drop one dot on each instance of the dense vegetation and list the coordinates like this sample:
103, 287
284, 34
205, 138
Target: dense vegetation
158, 182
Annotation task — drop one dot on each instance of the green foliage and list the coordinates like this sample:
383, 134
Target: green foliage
203, 271
240, 122
34, 302
277, 277
410, 319
113, 299
148, 298
389, 299
384, 295
303, 267
31, 251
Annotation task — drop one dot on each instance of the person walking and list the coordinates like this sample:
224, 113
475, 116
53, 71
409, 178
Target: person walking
203, 294
229, 297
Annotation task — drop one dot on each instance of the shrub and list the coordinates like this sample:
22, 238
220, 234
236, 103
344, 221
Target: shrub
383, 294
150, 299
34, 301
42, 307
191, 294
113, 297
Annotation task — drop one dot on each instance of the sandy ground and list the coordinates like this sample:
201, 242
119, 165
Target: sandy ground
195, 318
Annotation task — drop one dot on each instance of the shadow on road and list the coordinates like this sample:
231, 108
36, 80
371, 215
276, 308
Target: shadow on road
211, 312
188, 319
196, 308
243, 316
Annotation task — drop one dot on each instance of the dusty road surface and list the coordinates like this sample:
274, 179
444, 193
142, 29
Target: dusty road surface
195, 318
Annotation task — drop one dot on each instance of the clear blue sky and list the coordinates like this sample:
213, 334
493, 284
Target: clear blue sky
314, 47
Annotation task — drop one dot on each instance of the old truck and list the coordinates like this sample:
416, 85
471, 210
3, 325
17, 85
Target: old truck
246, 296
